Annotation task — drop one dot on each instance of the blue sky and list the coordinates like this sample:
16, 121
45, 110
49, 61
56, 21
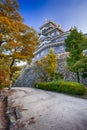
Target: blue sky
67, 13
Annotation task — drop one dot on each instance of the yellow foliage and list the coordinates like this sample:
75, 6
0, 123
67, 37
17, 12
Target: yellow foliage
49, 63
18, 41
4, 74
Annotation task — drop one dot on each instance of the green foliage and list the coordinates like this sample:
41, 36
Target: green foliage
51, 86
73, 88
81, 65
56, 76
75, 44
47, 66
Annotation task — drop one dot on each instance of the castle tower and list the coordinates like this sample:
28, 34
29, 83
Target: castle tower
51, 36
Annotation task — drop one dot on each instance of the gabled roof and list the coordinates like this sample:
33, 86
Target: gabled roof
54, 24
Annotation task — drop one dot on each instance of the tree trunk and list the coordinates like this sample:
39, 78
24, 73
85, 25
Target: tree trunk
12, 63
78, 78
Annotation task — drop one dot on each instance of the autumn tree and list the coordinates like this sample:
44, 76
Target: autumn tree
50, 64
17, 40
4, 74
75, 44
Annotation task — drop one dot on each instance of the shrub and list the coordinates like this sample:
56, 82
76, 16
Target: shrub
73, 88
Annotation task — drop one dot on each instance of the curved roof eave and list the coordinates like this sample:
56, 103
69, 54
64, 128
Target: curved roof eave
48, 45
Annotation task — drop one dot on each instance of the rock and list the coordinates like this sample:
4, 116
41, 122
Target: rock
27, 78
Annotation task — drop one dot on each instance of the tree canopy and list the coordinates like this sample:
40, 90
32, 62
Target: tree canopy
4, 74
76, 43
51, 62
17, 40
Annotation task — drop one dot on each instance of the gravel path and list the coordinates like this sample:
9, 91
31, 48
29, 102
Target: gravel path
43, 110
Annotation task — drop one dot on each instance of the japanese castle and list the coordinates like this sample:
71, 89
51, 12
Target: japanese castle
51, 36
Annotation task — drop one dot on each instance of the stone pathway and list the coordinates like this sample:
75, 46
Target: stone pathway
43, 110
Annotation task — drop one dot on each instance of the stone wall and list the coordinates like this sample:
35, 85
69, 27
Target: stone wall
62, 68
31, 74
27, 78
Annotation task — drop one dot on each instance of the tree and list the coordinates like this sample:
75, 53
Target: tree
8, 15
75, 44
4, 74
81, 66
50, 64
47, 67
17, 40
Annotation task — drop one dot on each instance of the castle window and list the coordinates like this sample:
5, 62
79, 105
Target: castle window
42, 53
37, 56
53, 34
57, 33
59, 49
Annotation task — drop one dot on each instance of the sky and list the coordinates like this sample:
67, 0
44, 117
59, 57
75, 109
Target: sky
67, 13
